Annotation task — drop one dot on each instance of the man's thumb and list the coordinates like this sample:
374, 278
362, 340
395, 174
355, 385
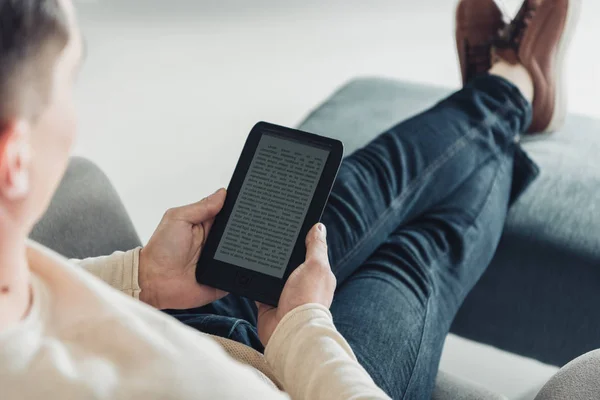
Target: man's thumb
203, 210
316, 242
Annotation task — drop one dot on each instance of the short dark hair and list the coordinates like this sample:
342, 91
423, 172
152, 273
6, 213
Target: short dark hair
33, 33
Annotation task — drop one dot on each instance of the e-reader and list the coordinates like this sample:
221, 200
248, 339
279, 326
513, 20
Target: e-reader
277, 193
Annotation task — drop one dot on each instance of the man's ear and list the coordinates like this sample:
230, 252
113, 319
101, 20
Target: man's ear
15, 156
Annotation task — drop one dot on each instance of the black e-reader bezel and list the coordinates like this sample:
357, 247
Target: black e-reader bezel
248, 283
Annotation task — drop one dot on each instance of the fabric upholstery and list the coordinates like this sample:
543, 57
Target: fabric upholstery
86, 217
578, 380
449, 387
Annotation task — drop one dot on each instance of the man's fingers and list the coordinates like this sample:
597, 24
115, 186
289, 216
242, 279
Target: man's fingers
201, 211
205, 227
316, 244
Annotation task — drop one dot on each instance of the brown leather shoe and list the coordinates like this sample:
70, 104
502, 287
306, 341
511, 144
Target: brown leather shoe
477, 24
540, 36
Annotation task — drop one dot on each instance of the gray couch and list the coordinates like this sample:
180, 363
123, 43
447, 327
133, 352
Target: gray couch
541, 294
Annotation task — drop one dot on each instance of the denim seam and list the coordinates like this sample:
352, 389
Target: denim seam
419, 351
486, 204
460, 143
232, 329
469, 229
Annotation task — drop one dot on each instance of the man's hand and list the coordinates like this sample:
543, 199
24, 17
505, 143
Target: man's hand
167, 274
312, 282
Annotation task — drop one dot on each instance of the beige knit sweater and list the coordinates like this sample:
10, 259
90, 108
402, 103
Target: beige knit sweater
84, 339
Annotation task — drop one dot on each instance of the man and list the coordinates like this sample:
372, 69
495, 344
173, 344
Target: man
413, 221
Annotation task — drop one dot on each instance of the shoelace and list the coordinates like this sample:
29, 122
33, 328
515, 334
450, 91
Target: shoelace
512, 34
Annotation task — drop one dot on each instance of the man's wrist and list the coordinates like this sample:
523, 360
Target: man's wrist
147, 293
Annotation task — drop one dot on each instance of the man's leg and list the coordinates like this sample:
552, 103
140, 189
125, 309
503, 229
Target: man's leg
396, 310
233, 317
419, 164
421, 211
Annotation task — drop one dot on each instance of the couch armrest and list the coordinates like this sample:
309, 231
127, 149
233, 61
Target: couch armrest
576, 380
450, 387
86, 217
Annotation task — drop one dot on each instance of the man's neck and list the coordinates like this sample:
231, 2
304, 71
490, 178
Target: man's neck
15, 278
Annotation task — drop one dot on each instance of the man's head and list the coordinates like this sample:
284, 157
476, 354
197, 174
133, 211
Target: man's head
40, 53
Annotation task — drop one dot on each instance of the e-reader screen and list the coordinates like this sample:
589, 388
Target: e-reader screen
272, 204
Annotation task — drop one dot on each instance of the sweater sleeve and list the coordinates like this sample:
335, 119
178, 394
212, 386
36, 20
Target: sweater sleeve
313, 361
119, 270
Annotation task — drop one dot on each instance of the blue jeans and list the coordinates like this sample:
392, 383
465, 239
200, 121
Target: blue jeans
413, 220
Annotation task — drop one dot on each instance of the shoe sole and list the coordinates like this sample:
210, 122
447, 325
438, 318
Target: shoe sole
560, 109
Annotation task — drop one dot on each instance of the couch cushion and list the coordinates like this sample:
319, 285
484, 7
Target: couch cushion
541, 294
